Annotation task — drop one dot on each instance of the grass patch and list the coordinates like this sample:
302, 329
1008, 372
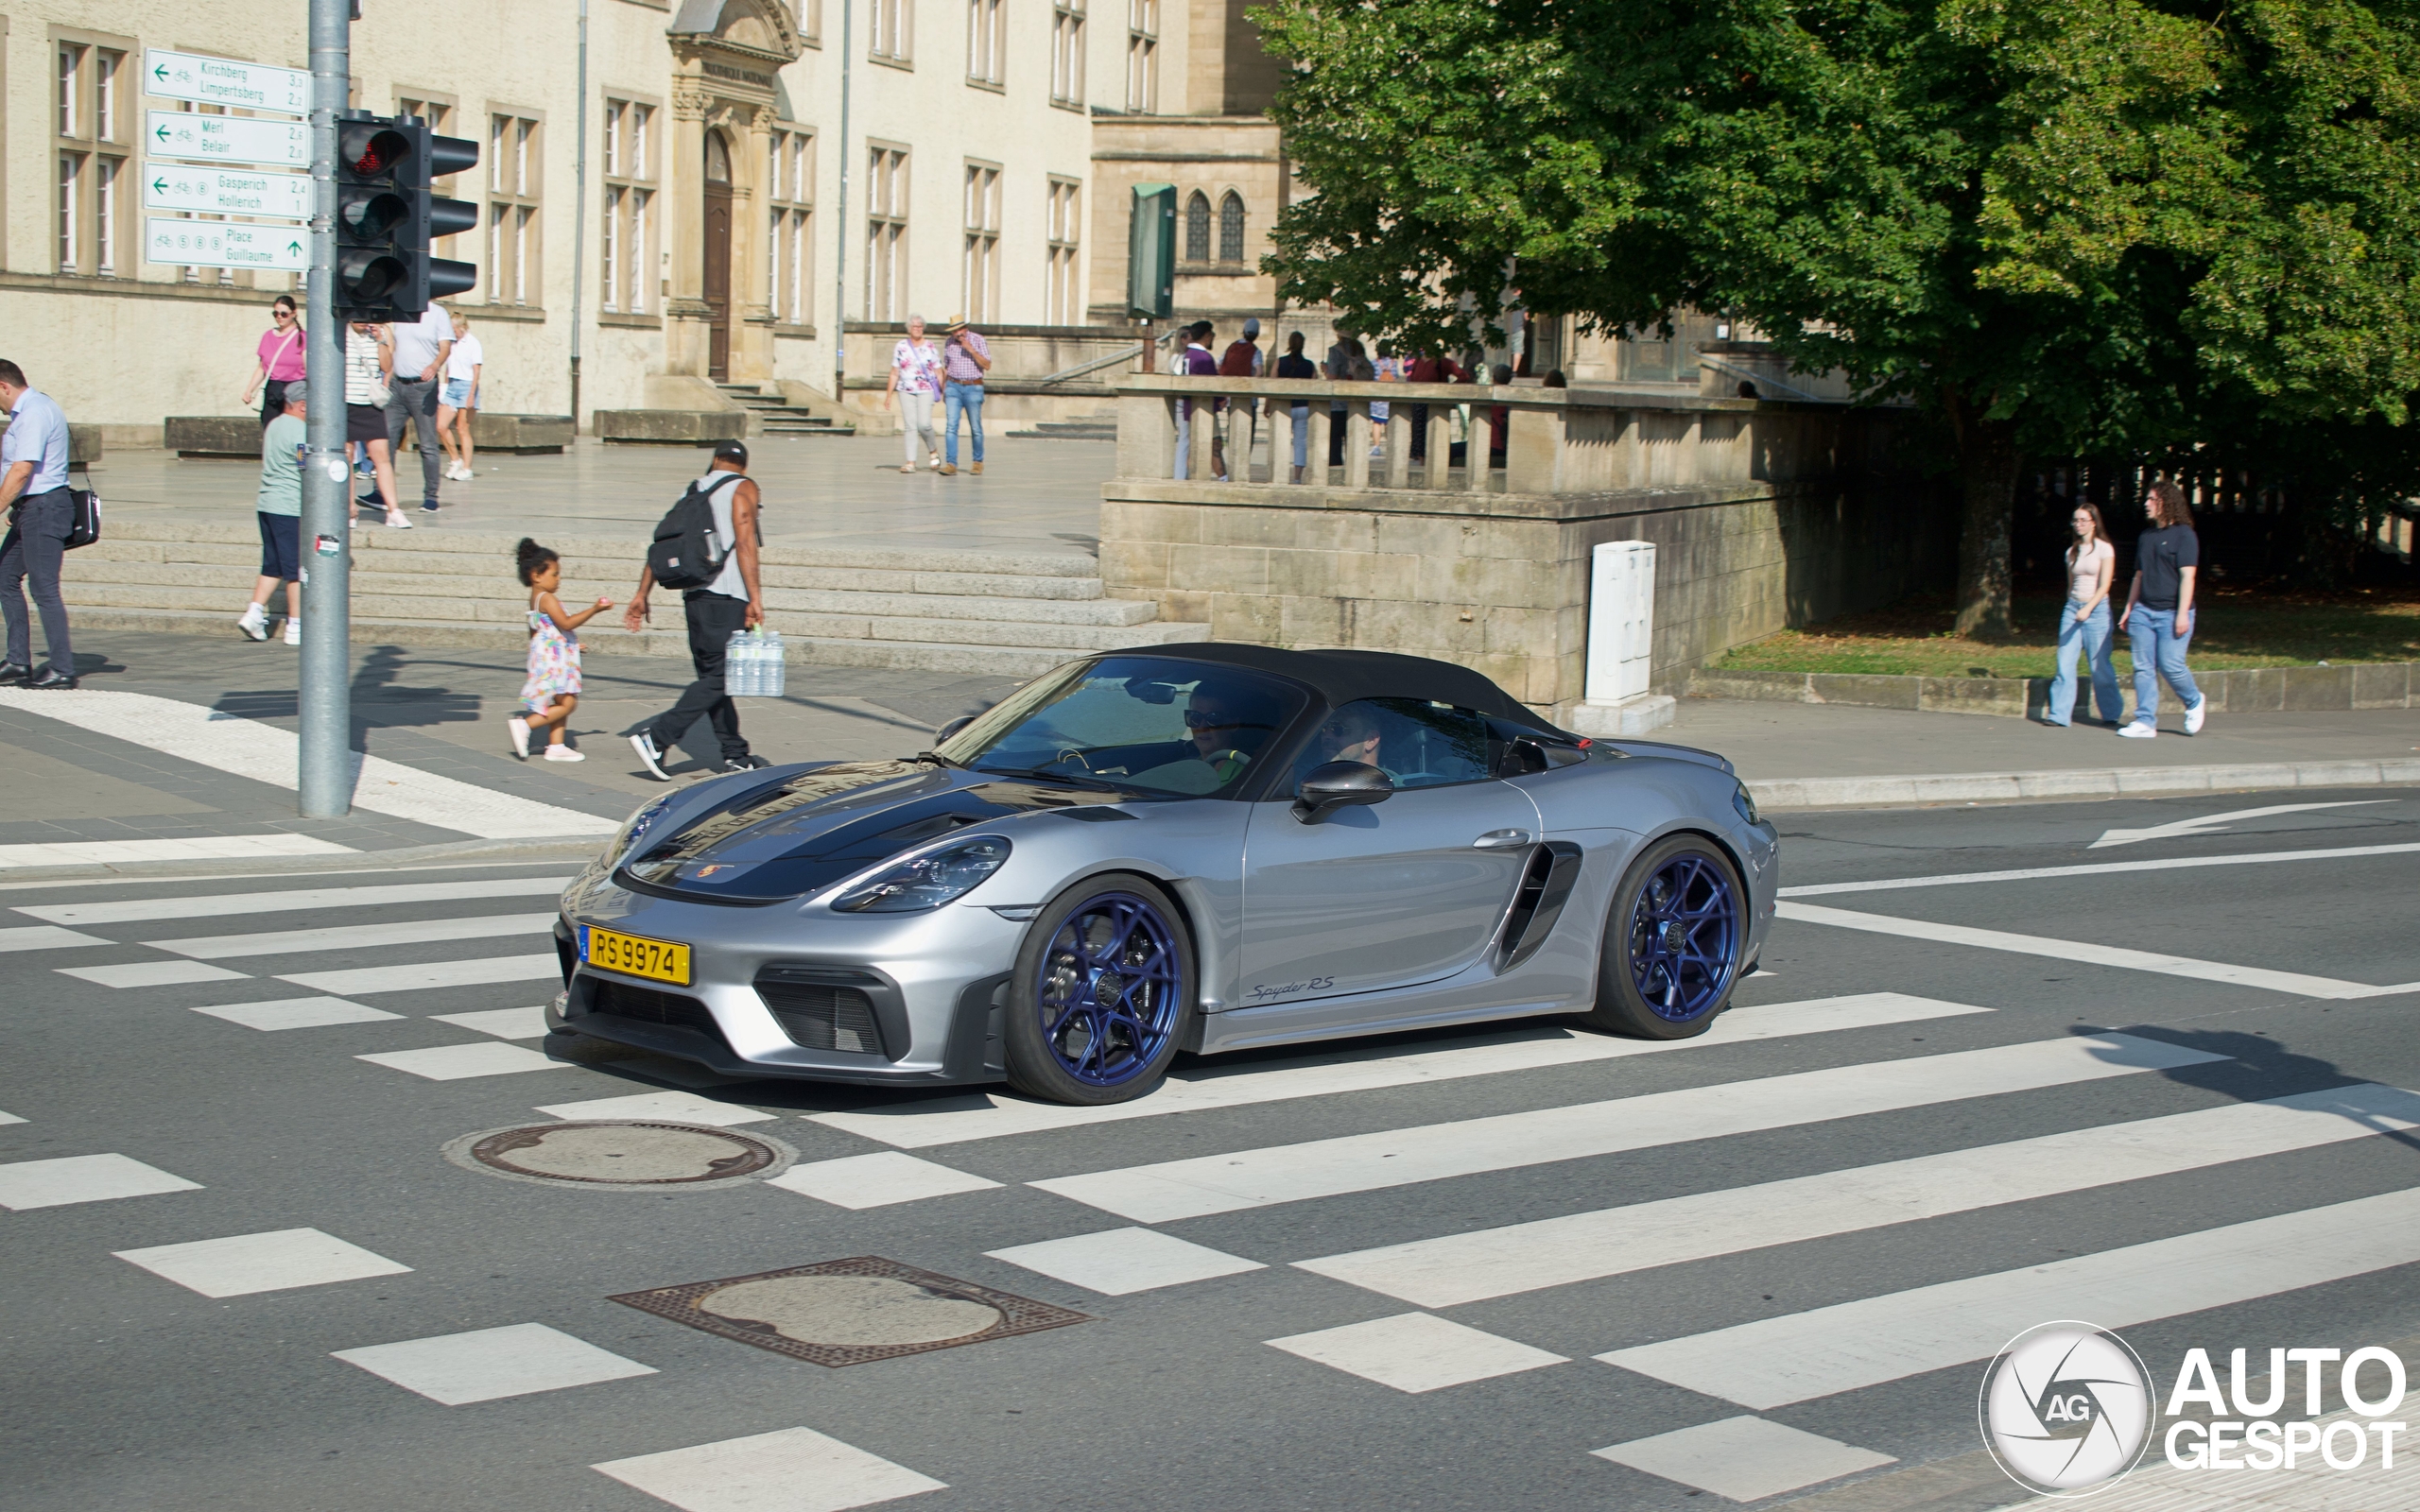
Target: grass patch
2235, 629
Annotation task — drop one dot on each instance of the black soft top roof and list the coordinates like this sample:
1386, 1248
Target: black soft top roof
1342, 677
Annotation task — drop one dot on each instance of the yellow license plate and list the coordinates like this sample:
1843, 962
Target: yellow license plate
658, 960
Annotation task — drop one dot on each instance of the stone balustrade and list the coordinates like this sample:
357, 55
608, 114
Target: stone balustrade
1763, 514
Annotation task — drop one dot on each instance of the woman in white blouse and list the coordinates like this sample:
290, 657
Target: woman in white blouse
916, 380
2083, 625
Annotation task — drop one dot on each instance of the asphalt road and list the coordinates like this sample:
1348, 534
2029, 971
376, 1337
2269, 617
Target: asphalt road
122, 1387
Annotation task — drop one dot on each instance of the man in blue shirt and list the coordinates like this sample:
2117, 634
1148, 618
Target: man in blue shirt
33, 489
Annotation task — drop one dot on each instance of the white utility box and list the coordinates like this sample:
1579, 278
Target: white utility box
1621, 642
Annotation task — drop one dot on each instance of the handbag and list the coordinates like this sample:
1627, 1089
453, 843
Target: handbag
83, 515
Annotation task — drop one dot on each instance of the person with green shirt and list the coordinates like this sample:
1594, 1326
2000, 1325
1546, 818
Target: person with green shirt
281, 516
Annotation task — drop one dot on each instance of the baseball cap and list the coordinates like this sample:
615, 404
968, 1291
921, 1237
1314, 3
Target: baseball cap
731, 451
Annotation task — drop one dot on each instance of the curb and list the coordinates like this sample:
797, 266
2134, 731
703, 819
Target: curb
469, 851
2237, 691
1916, 791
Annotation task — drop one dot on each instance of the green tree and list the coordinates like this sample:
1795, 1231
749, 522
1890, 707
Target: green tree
2060, 225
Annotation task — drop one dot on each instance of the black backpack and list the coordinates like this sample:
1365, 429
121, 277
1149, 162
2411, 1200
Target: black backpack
687, 552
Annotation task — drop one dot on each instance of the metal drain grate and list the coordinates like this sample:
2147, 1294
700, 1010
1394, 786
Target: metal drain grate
851, 1312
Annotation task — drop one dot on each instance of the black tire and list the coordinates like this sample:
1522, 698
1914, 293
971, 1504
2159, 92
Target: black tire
1692, 973
1063, 1042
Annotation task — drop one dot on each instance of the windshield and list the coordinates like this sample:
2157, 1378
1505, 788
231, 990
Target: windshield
1139, 722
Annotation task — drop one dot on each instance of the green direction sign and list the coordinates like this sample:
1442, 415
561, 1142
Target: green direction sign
226, 191
223, 82
227, 139
226, 244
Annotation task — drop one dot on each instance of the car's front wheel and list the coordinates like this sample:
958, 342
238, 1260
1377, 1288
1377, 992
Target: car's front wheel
1673, 939
1103, 984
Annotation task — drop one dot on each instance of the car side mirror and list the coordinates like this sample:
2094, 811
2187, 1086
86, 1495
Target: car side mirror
956, 724
1337, 785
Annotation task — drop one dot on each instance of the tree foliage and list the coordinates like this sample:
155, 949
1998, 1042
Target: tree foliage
2063, 226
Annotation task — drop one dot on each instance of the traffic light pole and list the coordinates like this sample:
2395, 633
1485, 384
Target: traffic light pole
326, 766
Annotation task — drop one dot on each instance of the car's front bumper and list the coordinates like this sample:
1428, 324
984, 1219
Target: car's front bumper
798, 991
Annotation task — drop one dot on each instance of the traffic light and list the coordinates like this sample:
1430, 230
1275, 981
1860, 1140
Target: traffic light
386, 214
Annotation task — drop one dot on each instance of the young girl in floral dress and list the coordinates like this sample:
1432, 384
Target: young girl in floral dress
552, 690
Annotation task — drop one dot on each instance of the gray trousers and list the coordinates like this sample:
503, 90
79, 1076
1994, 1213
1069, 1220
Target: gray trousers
413, 402
36, 543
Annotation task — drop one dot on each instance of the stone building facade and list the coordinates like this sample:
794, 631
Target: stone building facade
704, 214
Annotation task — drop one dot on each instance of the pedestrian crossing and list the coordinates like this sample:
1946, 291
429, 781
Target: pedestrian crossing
1207, 1189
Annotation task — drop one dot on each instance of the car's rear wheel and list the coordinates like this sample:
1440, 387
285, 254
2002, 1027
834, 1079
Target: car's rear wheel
1103, 984
1673, 941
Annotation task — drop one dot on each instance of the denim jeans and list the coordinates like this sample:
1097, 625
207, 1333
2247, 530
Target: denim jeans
2159, 652
2090, 639
412, 405
956, 398
35, 546
1302, 414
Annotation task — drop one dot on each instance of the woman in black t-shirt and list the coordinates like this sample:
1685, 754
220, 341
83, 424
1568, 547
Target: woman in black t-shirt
2160, 611
1294, 365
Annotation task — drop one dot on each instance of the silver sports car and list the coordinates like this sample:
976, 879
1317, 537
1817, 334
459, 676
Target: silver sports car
1191, 848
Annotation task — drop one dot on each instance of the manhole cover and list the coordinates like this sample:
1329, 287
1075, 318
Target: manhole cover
622, 1154
849, 1312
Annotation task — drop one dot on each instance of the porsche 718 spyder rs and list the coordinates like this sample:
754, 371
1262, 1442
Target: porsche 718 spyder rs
1201, 848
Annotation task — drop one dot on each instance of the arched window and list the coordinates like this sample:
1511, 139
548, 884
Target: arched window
1196, 227
718, 159
1231, 228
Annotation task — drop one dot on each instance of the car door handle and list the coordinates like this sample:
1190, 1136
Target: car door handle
1501, 839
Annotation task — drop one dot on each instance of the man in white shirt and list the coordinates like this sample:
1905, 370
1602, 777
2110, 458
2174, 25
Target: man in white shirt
422, 347
33, 489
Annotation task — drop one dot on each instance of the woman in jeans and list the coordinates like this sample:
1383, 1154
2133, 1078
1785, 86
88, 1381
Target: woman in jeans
2159, 610
916, 380
280, 359
2083, 625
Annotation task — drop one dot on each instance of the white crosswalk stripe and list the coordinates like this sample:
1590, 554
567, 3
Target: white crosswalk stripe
212, 906
1367, 1162
355, 937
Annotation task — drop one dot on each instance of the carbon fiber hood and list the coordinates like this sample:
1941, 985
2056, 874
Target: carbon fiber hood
801, 834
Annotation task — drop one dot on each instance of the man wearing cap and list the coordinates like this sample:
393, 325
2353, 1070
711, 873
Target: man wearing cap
33, 489
733, 601
280, 511
964, 361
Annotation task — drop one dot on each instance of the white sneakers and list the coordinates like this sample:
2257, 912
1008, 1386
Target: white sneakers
2194, 715
399, 521
564, 753
2133, 731
649, 757
253, 622
518, 729
459, 473
293, 630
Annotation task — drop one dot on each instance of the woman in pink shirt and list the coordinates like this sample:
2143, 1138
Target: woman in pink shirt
280, 359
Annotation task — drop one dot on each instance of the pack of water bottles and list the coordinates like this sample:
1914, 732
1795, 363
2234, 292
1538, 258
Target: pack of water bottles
752, 665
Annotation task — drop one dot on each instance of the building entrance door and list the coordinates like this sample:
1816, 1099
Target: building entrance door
716, 225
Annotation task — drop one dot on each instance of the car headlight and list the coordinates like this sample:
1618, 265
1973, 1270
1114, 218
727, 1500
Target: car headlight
634, 830
1746, 805
927, 881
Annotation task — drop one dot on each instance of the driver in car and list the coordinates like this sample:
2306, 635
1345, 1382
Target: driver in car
1227, 728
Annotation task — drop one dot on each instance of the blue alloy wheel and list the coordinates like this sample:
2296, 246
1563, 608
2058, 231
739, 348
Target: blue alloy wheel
1110, 989
1685, 937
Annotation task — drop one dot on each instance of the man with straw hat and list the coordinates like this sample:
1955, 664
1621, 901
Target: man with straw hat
964, 361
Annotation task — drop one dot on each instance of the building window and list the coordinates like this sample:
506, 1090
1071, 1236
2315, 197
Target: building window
980, 272
789, 263
439, 114
986, 40
892, 30
1067, 52
88, 204
1196, 227
886, 233
1231, 228
514, 162
1064, 297
630, 203
1143, 57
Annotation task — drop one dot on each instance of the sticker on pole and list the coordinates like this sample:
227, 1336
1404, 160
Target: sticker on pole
326, 545
336, 468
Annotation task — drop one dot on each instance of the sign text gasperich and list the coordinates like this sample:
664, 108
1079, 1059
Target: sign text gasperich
224, 81
227, 139
226, 244
226, 191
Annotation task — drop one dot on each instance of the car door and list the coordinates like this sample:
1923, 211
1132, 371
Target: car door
1394, 893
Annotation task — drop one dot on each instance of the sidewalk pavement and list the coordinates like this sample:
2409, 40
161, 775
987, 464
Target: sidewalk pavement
842, 492
183, 755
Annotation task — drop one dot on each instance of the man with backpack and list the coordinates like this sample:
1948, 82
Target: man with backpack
705, 547
41, 518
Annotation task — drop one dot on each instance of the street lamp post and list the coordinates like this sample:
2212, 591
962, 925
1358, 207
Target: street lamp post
324, 780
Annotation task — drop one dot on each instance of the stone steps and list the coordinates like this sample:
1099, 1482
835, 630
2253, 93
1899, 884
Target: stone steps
1099, 427
1002, 613
776, 416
